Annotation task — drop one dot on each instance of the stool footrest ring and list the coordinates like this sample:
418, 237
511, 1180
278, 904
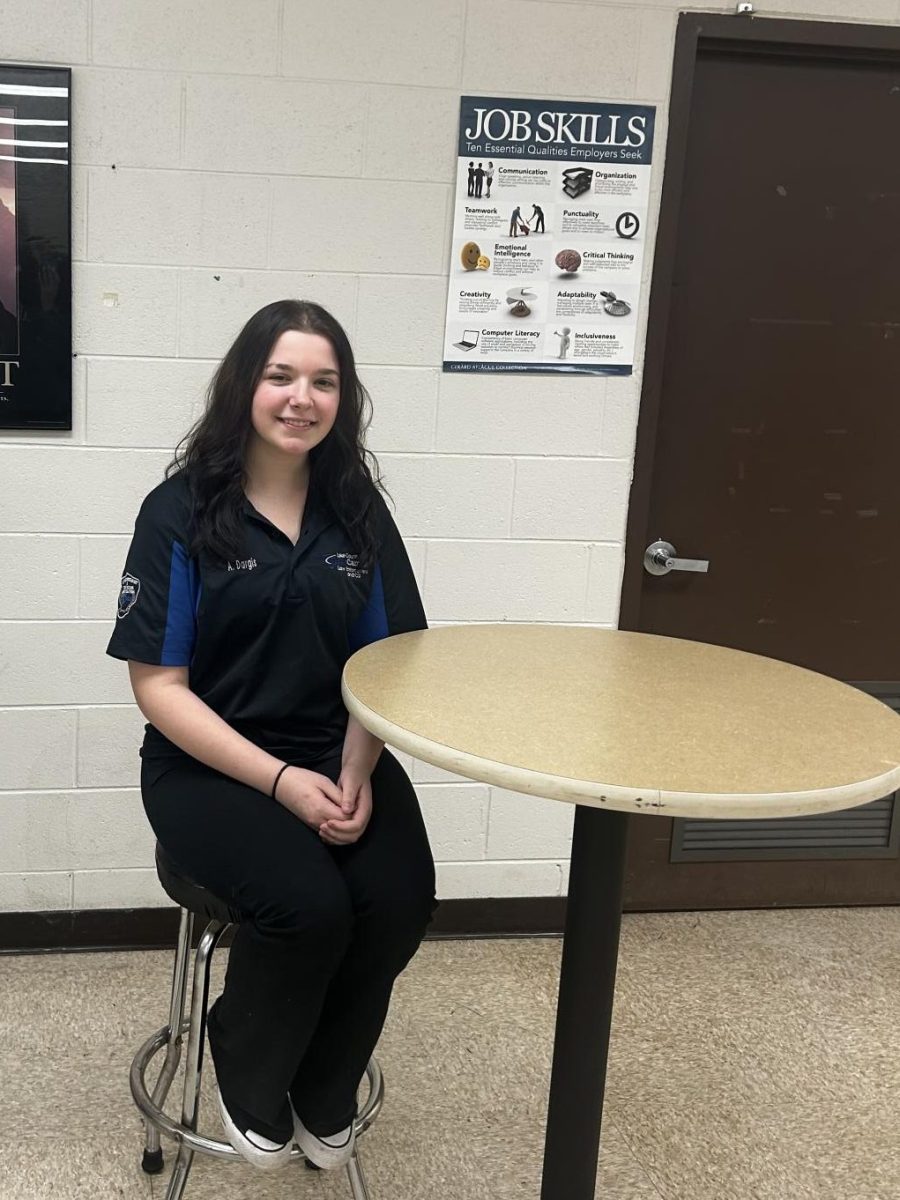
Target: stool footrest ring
212, 1146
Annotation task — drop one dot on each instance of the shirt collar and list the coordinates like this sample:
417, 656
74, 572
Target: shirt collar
317, 517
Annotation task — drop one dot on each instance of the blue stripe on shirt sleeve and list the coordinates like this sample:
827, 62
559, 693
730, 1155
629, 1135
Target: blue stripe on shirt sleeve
184, 588
372, 623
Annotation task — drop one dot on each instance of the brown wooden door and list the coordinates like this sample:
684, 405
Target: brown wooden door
770, 425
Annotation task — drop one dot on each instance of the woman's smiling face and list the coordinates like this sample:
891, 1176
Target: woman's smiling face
296, 400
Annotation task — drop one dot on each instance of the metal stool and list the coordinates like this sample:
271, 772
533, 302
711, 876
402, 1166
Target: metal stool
196, 900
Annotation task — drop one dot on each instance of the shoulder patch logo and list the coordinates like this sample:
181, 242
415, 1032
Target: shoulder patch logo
128, 594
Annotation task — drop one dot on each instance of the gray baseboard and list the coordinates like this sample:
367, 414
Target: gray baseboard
156, 928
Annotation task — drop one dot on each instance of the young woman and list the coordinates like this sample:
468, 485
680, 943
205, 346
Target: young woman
264, 559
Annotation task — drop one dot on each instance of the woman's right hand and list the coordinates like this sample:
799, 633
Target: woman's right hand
310, 796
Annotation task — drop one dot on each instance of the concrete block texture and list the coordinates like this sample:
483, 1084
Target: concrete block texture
620, 415
456, 817
201, 36
604, 584
144, 402
102, 564
37, 747
411, 134
60, 662
277, 127
434, 495
109, 738
525, 827
476, 880
40, 577
36, 891
108, 830
400, 320
138, 888
78, 211
541, 48
44, 31
74, 490
59, 831
520, 414
129, 121
423, 772
340, 225
404, 406
653, 72
578, 499
417, 552
124, 309
148, 402
506, 581
401, 43
182, 218
216, 304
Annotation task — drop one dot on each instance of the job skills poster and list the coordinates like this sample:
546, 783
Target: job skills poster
549, 231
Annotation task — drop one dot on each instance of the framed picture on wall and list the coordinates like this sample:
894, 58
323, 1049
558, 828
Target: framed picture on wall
35, 249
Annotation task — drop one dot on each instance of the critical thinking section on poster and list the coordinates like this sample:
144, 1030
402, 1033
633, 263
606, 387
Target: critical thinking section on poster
550, 221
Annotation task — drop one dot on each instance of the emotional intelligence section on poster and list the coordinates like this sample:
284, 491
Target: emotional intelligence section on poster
550, 216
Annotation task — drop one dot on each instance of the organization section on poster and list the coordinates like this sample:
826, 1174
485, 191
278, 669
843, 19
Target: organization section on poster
550, 219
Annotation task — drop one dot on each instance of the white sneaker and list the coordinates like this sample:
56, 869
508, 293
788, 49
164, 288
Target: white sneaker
256, 1148
333, 1150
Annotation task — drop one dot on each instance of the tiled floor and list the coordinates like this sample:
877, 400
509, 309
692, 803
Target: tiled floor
755, 1056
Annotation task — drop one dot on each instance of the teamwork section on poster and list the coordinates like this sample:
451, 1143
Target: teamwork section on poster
549, 231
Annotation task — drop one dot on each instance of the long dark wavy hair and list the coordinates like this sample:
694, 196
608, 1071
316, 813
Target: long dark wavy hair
343, 473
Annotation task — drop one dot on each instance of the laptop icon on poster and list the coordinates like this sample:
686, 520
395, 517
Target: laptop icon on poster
469, 340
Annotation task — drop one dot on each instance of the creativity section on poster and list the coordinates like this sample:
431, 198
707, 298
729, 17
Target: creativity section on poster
550, 218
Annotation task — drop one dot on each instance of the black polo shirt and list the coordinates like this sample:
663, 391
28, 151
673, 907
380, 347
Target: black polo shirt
266, 635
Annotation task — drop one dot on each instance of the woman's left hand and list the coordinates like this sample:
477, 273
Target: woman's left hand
356, 801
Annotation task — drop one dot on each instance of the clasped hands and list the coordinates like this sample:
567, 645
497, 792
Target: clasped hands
339, 812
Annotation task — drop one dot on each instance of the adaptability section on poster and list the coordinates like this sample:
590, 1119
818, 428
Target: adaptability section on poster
549, 229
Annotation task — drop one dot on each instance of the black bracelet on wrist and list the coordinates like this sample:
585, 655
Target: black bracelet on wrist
277, 777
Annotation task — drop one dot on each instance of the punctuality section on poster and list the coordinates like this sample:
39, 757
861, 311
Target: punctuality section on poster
550, 222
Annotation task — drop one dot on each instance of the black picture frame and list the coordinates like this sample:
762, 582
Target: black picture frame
35, 248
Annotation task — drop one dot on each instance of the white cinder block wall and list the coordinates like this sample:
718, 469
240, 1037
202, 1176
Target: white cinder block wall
227, 153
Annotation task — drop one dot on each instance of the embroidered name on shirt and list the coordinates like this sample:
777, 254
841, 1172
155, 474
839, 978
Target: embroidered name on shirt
347, 564
243, 564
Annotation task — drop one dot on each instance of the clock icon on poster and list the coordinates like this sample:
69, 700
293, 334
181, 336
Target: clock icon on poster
627, 225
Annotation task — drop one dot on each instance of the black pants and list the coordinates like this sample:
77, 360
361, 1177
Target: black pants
327, 931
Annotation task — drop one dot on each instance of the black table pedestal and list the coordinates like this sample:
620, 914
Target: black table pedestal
584, 1011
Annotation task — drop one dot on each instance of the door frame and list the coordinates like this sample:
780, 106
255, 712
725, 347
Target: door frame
772, 35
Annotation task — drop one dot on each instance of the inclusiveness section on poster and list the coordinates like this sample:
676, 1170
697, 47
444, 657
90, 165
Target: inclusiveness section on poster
550, 213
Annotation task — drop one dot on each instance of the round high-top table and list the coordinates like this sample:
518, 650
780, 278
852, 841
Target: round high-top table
618, 723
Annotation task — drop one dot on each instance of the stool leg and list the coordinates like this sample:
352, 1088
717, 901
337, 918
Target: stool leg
180, 1172
357, 1178
193, 1062
152, 1162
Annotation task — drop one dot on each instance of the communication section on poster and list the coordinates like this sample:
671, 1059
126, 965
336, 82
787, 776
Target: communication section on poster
548, 236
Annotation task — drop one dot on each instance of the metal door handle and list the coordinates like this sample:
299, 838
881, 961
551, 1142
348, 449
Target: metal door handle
659, 559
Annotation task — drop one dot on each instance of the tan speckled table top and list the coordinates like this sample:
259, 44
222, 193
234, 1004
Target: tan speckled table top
628, 721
